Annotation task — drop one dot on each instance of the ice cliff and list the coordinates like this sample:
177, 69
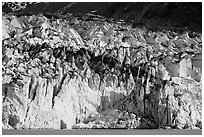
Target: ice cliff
88, 72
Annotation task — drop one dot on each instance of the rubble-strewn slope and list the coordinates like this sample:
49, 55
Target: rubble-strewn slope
156, 15
88, 73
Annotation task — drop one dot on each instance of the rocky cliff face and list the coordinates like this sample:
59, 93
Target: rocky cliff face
85, 72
